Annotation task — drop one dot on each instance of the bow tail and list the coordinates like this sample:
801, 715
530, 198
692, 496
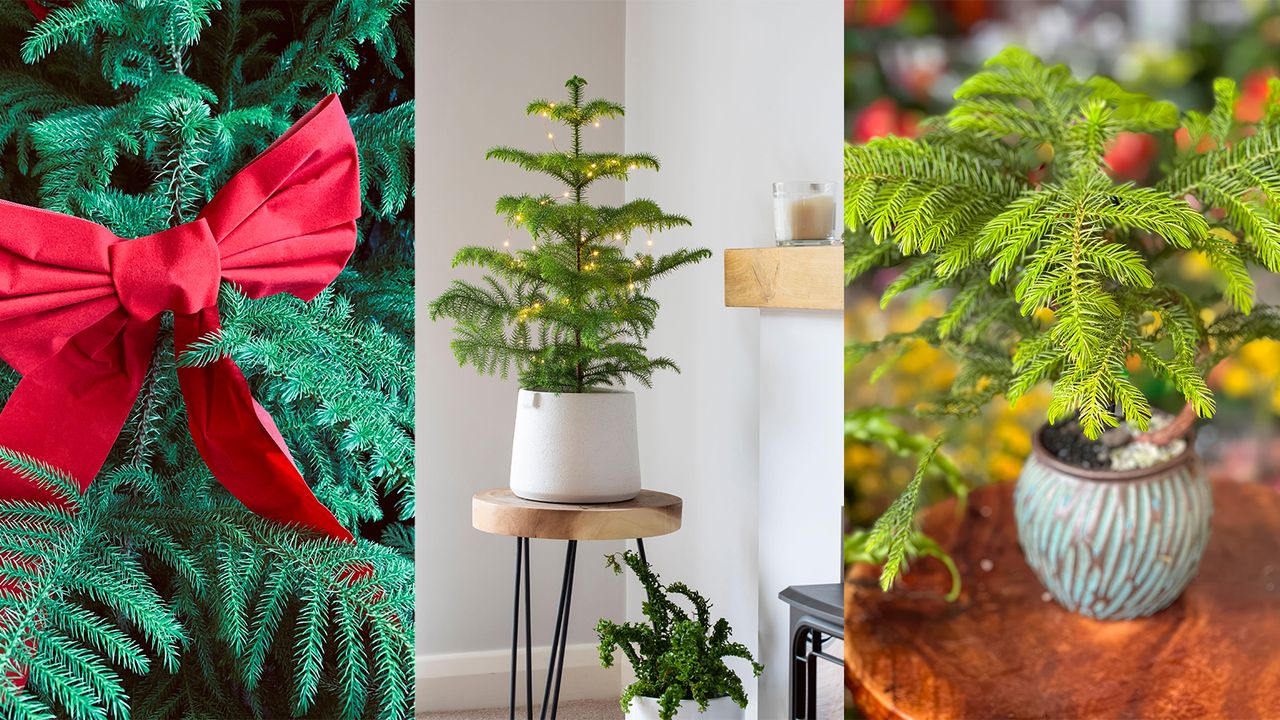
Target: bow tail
68, 411
240, 442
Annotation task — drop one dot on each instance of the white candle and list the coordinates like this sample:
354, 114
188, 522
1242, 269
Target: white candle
804, 213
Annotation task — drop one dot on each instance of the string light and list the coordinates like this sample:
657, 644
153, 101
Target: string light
617, 236
506, 243
597, 123
649, 243
551, 136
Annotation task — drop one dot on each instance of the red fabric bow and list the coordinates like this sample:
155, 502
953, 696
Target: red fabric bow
80, 310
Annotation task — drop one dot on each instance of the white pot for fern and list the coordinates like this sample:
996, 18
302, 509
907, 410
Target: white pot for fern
576, 447
722, 708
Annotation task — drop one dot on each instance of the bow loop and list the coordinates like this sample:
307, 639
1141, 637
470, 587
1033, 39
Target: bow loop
177, 270
286, 222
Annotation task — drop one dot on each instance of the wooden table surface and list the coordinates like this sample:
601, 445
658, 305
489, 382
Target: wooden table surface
1003, 650
649, 514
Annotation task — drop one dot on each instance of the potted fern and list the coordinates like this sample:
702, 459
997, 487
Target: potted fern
569, 313
678, 658
1057, 272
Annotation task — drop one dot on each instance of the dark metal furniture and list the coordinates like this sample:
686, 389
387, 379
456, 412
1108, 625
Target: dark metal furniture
817, 615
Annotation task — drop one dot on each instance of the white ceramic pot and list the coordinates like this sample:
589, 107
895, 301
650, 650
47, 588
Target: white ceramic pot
646, 708
575, 447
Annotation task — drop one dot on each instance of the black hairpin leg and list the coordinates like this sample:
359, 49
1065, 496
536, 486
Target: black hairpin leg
522, 563
640, 547
561, 636
528, 637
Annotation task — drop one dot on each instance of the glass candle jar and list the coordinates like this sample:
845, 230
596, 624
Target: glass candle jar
805, 213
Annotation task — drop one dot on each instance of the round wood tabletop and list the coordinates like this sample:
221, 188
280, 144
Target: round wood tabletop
1004, 650
649, 514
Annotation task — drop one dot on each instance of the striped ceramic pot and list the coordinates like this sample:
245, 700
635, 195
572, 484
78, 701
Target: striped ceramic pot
1113, 545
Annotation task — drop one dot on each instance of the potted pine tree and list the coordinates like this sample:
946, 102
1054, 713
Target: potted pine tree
1056, 271
678, 657
570, 314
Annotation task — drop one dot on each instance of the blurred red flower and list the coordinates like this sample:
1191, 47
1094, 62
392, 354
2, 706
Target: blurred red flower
1130, 155
1251, 104
873, 13
883, 117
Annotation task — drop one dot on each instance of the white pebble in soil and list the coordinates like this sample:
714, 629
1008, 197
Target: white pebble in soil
986, 565
1144, 454
1135, 455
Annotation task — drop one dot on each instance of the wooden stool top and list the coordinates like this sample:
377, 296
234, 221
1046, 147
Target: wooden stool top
1004, 650
501, 512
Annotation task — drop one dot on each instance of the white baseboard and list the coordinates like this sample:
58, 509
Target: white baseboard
466, 681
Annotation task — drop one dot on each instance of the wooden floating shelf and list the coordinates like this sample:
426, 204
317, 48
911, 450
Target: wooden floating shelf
807, 278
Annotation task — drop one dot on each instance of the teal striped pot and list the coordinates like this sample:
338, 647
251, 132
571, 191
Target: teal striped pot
1113, 545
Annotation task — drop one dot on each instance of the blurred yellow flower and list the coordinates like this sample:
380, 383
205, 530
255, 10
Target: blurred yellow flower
1014, 437
1149, 323
1263, 356
1196, 266
1237, 380
1004, 467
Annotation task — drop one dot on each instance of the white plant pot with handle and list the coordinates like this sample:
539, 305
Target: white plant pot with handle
576, 447
722, 708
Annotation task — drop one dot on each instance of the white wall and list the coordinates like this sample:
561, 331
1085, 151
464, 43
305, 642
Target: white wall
480, 62
733, 96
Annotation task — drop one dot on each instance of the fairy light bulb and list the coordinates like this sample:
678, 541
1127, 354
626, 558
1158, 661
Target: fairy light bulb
649, 243
551, 136
596, 123
617, 236
506, 243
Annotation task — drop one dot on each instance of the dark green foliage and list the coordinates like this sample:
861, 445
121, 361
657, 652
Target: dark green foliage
570, 314
1055, 272
676, 655
156, 594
